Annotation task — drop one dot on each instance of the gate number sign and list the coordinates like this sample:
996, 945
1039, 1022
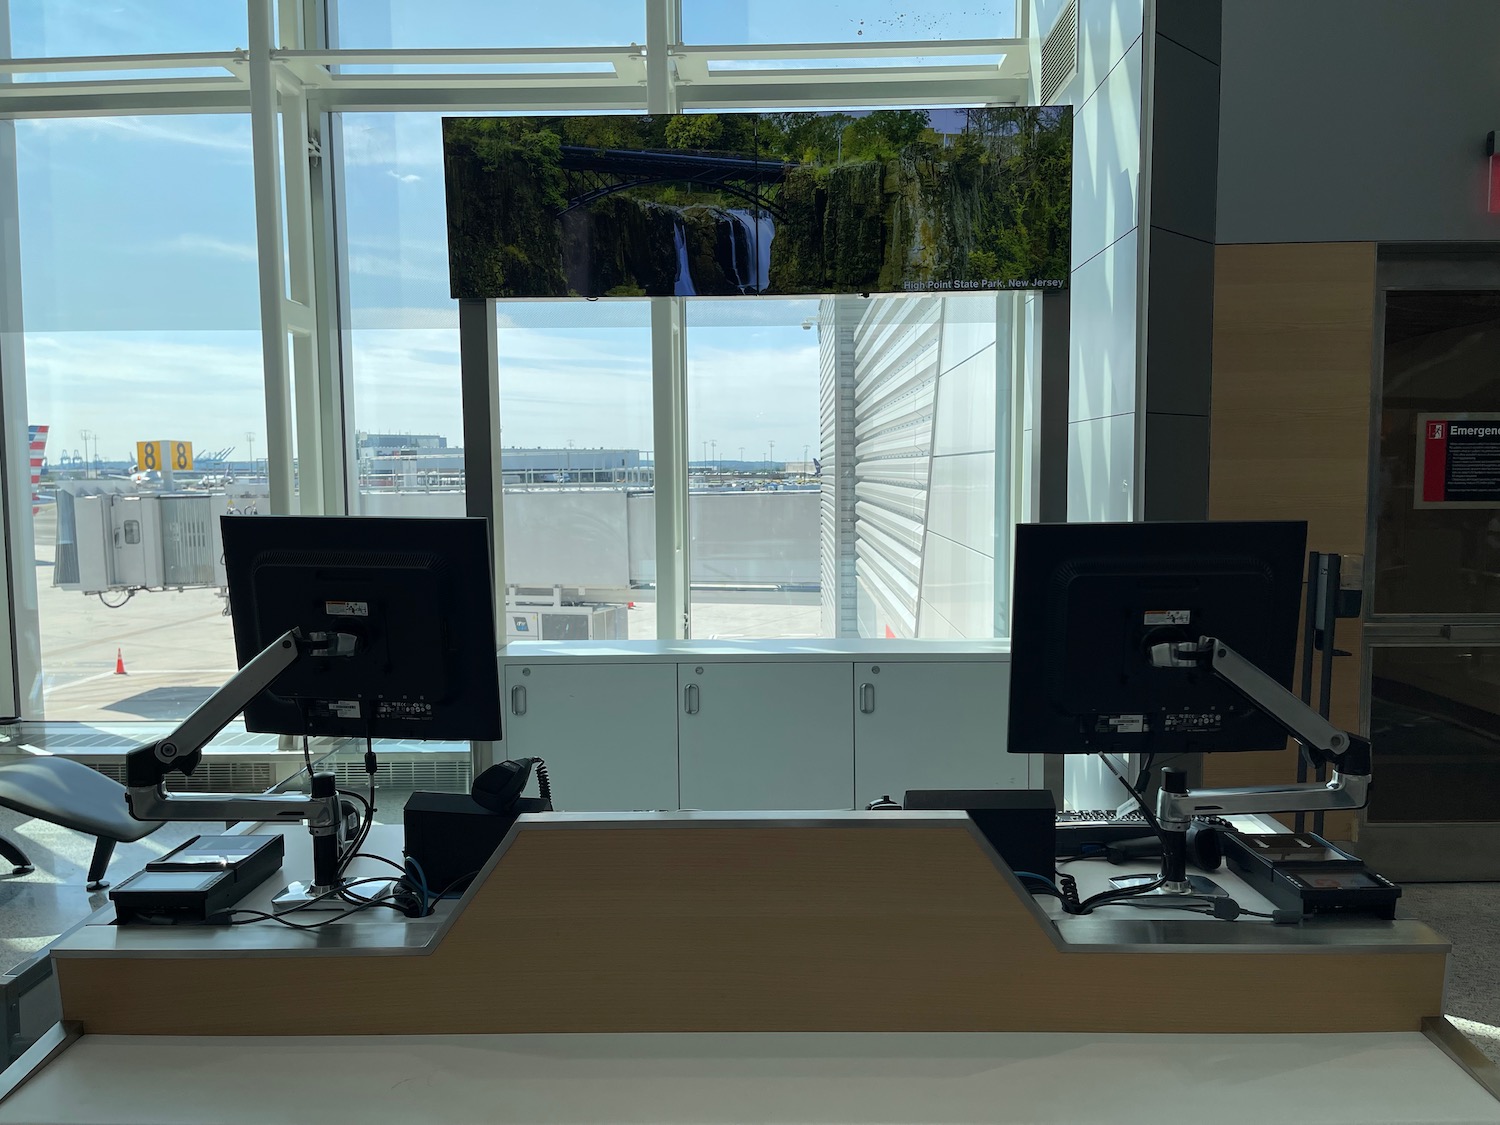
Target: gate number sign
1458, 461
158, 456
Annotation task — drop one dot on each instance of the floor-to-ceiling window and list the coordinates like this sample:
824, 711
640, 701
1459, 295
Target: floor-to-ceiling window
135, 323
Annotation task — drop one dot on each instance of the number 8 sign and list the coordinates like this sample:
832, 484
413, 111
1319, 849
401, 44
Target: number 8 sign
154, 456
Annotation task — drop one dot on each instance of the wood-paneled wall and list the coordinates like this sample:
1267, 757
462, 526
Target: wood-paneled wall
1294, 333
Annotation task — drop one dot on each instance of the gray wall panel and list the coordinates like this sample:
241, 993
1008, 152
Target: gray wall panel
1195, 24
1357, 120
1176, 486
1184, 141
1179, 329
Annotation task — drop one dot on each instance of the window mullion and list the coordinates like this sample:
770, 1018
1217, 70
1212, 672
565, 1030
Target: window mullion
267, 177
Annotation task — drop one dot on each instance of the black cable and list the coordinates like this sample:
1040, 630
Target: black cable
432, 899
362, 832
1146, 813
543, 781
262, 916
380, 859
307, 756
1105, 897
1143, 778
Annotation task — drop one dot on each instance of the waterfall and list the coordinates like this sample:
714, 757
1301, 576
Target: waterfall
765, 230
758, 228
683, 286
741, 225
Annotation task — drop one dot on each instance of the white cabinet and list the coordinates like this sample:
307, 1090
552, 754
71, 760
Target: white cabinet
932, 725
608, 731
765, 735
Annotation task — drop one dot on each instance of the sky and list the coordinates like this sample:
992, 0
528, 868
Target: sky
138, 248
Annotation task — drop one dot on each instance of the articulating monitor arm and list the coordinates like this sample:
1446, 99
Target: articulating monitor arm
1347, 753
147, 767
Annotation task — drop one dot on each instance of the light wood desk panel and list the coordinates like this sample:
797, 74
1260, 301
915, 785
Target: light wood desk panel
902, 922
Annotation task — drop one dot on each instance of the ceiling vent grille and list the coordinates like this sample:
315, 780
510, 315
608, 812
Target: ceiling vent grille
1060, 54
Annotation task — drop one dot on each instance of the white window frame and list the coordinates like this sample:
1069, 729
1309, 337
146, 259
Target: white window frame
290, 83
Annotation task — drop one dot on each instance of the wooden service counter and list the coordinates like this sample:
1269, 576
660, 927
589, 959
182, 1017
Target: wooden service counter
682, 922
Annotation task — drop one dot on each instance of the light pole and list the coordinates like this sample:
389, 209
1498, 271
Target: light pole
88, 463
805, 465
250, 437
771, 460
714, 456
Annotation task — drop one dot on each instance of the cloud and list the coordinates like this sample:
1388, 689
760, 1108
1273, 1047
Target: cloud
214, 247
746, 387
406, 178
228, 133
203, 387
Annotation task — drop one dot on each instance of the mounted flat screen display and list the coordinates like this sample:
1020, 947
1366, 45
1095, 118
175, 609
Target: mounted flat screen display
784, 204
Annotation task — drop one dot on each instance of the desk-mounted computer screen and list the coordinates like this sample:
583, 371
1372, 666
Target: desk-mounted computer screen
404, 608
1090, 600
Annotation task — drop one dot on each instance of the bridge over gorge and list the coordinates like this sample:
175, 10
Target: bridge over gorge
594, 173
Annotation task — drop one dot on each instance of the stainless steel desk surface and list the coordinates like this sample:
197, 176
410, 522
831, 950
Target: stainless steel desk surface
1107, 1079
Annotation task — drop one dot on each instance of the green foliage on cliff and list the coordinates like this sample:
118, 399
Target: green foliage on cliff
876, 202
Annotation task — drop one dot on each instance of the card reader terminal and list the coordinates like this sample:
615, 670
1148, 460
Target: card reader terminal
198, 881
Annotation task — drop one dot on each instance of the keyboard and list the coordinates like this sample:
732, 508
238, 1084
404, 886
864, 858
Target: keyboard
1086, 830
1068, 818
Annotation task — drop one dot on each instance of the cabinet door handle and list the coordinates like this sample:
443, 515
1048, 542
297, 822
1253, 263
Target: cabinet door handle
518, 700
690, 699
867, 699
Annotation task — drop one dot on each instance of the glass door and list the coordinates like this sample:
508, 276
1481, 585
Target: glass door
1432, 635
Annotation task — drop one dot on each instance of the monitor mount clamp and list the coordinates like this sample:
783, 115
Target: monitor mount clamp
1324, 743
147, 767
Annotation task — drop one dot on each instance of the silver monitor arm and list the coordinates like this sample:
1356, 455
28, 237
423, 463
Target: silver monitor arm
1326, 744
147, 767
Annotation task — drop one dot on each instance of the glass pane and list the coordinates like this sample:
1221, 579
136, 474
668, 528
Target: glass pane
415, 24
1436, 552
733, 22
1435, 730
51, 28
401, 352
857, 482
580, 524
141, 326
754, 498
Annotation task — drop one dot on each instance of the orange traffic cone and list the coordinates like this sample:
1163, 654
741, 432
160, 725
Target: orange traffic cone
119, 664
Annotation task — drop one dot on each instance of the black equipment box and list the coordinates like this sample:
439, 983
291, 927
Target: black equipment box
199, 880
1302, 871
451, 836
1020, 824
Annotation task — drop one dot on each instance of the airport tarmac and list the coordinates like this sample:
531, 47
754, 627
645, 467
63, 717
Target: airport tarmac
177, 647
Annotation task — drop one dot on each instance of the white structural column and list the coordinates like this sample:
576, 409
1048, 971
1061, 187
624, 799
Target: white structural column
668, 374
316, 437
20, 638
267, 175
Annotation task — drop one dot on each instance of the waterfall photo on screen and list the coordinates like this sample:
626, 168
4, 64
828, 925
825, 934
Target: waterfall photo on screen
726, 204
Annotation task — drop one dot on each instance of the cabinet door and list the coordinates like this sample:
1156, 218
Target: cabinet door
607, 731
932, 725
765, 736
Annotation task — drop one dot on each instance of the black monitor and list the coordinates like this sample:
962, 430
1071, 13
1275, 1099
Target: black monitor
1091, 599
415, 595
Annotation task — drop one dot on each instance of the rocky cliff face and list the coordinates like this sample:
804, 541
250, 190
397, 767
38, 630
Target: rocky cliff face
912, 222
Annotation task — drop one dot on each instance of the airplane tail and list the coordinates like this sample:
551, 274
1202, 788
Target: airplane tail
37, 436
